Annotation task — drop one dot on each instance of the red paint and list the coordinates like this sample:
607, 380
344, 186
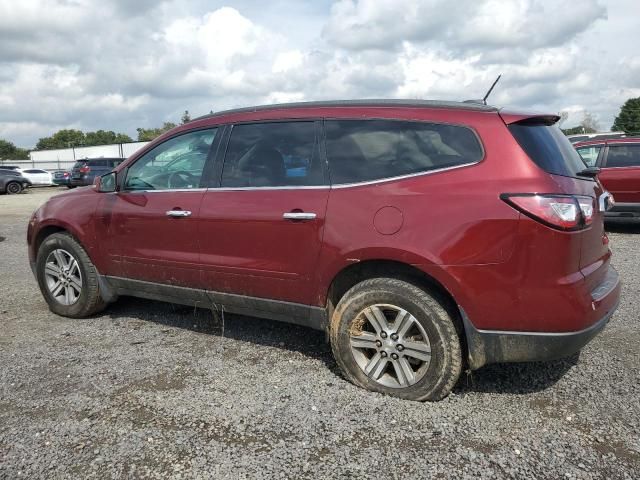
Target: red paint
388, 220
248, 248
622, 182
506, 270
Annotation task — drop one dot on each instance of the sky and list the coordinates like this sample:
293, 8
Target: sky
122, 64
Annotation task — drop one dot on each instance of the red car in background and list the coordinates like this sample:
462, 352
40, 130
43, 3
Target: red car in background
619, 163
423, 237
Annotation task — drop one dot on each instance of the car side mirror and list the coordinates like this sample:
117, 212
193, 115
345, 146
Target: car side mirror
107, 183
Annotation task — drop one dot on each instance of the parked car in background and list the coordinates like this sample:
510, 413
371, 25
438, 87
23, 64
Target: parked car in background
619, 163
84, 171
424, 237
62, 177
37, 176
585, 137
12, 182
10, 167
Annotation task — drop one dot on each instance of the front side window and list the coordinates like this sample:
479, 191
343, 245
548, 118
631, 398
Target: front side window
177, 163
590, 154
623, 156
366, 150
277, 154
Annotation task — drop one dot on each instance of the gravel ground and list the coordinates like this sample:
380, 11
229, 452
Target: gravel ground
153, 390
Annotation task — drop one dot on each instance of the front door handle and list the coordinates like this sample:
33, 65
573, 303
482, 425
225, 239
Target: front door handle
299, 216
178, 213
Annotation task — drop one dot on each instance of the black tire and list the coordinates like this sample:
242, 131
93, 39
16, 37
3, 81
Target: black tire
90, 300
71, 186
13, 188
442, 371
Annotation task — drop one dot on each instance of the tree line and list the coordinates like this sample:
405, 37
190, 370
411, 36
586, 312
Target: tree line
68, 138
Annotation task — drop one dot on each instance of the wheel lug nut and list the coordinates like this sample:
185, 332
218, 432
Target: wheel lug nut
400, 347
383, 354
378, 343
394, 356
383, 334
394, 336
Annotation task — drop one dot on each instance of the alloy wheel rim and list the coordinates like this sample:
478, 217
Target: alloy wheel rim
14, 188
390, 346
63, 277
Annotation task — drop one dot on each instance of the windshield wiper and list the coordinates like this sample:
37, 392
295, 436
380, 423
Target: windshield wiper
590, 172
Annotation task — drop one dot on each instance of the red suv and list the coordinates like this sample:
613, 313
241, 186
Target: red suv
423, 236
619, 163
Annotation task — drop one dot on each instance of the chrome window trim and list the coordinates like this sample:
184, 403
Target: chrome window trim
284, 187
165, 190
604, 167
317, 187
402, 177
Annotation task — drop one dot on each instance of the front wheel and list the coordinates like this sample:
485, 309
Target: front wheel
13, 188
389, 336
67, 278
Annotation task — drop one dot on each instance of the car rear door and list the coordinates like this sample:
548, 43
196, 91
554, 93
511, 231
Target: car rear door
620, 173
262, 223
37, 176
152, 221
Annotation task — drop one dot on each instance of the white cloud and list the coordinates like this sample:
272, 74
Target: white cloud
468, 24
120, 65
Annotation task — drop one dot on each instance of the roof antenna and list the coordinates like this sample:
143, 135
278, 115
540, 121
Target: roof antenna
484, 100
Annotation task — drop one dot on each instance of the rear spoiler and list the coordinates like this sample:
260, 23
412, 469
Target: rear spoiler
528, 118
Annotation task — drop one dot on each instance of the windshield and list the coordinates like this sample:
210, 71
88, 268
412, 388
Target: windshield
549, 148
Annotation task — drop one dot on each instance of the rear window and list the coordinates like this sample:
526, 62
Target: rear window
80, 164
99, 163
549, 148
623, 156
366, 150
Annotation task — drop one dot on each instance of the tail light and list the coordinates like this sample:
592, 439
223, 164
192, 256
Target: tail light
65, 174
85, 169
562, 212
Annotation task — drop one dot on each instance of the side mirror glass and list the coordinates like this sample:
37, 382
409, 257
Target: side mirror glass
107, 183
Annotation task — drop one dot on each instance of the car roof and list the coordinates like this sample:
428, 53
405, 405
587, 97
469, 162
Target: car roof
472, 106
607, 141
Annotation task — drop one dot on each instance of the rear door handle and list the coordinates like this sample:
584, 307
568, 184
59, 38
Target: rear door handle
299, 216
178, 213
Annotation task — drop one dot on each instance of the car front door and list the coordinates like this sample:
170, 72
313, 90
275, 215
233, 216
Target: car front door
151, 223
620, 173
261, 224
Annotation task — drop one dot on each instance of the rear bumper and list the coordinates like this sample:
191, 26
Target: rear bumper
493, 346
80, 182
624, 211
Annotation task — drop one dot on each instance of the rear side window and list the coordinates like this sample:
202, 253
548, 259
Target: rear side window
623, 156
589, 154
366, 150
272, 155
80, 164
548, 147
98, 163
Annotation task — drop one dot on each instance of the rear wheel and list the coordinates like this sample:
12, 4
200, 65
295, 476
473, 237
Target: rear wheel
67, 278
13, 188
392, 337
